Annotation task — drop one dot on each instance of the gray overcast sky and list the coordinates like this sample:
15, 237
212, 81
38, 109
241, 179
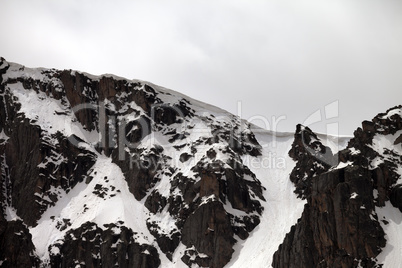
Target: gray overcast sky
278, 58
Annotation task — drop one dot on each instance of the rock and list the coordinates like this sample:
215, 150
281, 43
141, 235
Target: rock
84, 105
140, 172
368, 126
16, 245
201, 204
209, 185
312, 158
93, 247
398, 140
396, 196
336, 227
211, 153
30, 181
4, 65
208, 229
339, 226
184, 157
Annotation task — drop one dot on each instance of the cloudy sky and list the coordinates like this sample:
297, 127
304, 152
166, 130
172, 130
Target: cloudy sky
277, 63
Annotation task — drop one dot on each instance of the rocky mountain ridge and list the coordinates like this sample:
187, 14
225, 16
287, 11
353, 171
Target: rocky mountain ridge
50, 118
340, 225
102, 171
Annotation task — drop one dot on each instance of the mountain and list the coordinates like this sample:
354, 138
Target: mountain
103, 171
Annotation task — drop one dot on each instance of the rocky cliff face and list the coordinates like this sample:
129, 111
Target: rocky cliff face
339, 226
73, 145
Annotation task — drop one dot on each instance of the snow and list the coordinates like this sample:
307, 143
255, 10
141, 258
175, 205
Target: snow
375, 194
3, 137
335, 143
171, 96
176, 258
353, 151
391, 254
56, 159
11, 214
17, 71
281, 209
382, 142
392, 112
166, 224
376, 162
353, 195
110, 209
50, 114
342, 165
389, 217
207, 199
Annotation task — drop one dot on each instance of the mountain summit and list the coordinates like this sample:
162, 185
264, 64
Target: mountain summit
102, 171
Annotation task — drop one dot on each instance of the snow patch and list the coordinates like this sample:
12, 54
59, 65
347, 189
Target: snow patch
390, 219
354, 151
353, 195
50, 114
3, 137
397, 111
343, 165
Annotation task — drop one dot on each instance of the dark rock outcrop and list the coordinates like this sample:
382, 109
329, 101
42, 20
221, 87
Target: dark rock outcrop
92, 246
211, 222
35, 161
16, 245
339, 226
312, 158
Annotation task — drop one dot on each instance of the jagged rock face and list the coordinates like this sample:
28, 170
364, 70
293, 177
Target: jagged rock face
16, 245
312, 158
211, 222
339, 226
376, 146
104, 171
92, 246
48, 168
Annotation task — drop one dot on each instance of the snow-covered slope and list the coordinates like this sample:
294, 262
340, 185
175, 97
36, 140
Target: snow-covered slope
282, 208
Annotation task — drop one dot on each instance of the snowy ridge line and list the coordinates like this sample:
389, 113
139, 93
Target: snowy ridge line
17, 70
